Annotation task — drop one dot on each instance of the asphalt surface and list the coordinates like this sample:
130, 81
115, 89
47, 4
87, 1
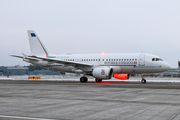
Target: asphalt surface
71, 100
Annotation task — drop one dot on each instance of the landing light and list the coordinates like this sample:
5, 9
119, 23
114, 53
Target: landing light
102, 53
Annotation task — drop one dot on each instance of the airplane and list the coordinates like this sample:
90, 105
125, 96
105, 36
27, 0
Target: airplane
100, 66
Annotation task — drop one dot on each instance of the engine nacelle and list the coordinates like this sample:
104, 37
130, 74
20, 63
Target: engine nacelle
121, 76
102, 72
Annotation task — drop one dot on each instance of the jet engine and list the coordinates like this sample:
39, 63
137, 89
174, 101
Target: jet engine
121, 76
102, 72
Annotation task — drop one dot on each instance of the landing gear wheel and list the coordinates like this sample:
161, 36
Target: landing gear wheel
143, 81
98, 80
83, 79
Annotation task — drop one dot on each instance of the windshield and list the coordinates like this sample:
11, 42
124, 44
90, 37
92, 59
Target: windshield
157, 59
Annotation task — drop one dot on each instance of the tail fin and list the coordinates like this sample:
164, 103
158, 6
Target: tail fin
36, 46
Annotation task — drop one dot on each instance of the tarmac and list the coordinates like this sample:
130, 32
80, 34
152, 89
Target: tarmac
72, 100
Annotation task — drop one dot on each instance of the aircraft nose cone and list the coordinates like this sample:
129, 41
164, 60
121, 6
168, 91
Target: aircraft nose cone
167, 66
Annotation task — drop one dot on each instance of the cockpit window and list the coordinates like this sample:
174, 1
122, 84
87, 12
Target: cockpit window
160, 59
157, 59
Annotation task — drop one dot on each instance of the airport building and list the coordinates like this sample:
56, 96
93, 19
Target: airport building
27, 70
17, 70
44, 72
1, 72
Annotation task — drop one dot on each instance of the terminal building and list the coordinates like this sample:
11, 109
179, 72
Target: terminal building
17, 70
27, 70
44, 72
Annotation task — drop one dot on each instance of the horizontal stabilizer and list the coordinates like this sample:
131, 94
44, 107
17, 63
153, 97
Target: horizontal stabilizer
16, 56
27, 57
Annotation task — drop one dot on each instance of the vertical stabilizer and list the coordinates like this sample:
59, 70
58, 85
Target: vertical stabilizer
36, 46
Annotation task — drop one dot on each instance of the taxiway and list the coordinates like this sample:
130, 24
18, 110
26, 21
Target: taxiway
72, 100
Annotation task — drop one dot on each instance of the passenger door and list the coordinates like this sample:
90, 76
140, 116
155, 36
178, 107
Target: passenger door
142, 60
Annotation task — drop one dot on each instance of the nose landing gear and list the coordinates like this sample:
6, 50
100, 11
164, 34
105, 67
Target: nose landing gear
143, 79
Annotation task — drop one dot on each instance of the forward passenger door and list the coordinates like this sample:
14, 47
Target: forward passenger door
142, 60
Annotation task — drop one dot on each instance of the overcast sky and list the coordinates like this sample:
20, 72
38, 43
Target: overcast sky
91, 26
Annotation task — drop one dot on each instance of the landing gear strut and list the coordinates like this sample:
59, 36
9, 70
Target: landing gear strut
98, 80
143, 79
83, 79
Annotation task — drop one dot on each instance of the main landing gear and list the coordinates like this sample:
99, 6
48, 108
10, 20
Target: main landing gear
98, 80
143, 79
83, 79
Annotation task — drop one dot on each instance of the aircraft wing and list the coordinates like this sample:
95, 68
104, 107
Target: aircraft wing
54, 60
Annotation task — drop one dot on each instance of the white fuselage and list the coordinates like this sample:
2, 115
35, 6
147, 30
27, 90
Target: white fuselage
125, 63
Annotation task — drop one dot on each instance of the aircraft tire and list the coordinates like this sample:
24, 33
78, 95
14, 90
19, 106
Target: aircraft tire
86, 79
83, 79
98, 80
143, 81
